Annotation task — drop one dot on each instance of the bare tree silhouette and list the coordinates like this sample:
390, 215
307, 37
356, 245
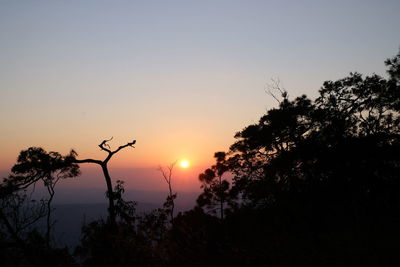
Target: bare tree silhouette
104, 146
169, 204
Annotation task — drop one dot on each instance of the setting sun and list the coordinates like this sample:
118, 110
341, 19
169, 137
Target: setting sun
184, 164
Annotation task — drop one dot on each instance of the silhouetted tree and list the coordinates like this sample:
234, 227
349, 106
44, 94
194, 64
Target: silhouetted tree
19, 213
103, 164
215, 189
169, 204
351, 127
326, 171
34, 165
131, 241
124, 209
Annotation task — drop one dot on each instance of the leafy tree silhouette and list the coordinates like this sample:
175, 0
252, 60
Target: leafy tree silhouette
19, 213
325, 162
303, 142
35, 164
215, 189
134, 240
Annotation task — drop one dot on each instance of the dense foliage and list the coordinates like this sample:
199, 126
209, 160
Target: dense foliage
314, 182
20, 239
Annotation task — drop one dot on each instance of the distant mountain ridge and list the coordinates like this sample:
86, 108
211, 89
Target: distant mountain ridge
97, 195
71, 217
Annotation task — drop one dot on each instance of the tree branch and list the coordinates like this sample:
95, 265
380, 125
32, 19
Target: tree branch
163, 174
275, 85
87, 161
103, 145
122, 147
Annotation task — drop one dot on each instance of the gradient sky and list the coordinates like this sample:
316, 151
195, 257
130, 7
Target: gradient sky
180, 77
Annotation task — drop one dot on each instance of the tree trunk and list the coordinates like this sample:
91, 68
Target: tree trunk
221, 199
110, 194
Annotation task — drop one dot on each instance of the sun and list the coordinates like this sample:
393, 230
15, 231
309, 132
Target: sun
184, 163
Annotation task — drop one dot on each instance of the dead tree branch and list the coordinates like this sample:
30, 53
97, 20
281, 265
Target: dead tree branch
104, 146
167, 175
275, 86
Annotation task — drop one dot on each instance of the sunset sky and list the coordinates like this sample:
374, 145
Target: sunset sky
180, 77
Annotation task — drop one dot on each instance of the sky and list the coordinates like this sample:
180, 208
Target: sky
180, 77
